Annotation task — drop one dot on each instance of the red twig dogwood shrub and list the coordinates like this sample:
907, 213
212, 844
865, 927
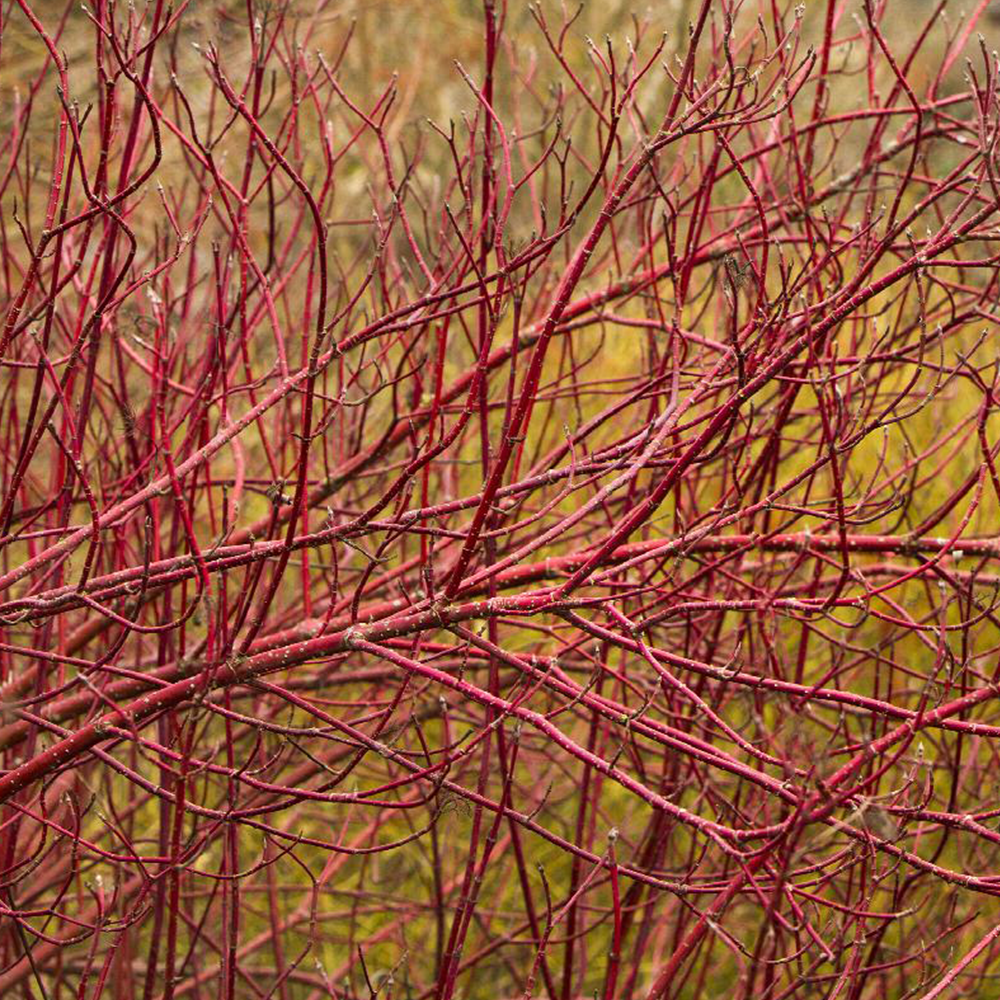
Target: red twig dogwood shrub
544, 550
